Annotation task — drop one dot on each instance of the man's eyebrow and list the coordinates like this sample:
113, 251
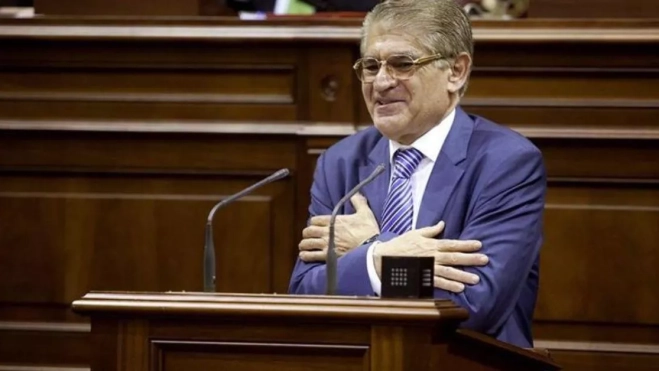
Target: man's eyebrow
411, 53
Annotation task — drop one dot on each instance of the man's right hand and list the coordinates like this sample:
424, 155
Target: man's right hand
447, 253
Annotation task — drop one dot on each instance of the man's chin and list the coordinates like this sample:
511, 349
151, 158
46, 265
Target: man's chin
389, 125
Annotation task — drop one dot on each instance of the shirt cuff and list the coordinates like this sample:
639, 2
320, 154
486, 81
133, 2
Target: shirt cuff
376, 284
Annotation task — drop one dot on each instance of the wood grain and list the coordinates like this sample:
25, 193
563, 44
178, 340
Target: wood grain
129, 8
180, 355
283, 307
594, 9
188, 331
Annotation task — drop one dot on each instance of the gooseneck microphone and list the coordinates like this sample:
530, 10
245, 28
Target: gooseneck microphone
209, 247
331, 254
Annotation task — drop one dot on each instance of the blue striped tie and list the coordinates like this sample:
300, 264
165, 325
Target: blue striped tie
399, 208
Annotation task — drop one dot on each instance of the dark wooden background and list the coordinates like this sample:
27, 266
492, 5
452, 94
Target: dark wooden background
118, 136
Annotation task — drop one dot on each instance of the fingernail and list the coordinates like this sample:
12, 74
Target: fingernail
461, 287
483, 259
475, 280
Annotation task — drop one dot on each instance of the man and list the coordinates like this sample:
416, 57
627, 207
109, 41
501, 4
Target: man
457, 187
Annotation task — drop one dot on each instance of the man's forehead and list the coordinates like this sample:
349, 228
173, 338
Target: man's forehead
386, 43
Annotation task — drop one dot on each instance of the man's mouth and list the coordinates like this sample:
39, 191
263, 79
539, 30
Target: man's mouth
383, 102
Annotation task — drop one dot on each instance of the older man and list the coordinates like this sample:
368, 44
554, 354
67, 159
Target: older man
460, 188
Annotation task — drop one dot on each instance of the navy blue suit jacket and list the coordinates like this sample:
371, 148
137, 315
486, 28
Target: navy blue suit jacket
487, 184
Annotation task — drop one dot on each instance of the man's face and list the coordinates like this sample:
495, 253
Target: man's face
403, 110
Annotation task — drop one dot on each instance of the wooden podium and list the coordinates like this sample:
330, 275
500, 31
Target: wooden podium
197, 331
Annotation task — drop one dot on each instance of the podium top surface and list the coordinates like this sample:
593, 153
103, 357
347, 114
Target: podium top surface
269, 305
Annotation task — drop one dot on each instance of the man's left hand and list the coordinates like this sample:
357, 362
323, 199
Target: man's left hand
349, 231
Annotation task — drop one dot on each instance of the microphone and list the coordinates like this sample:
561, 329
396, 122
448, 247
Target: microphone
209, 247
331, 254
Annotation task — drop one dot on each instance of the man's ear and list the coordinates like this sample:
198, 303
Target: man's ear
459, 73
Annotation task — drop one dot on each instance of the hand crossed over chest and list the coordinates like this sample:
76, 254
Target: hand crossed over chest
351, 231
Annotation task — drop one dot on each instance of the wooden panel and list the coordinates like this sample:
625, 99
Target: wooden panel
107, 84
622, 255
593, 9
181, 153
23, 367
107, 223
621, 161
266, 332
128, 241
182, 55
570, 86
331, 84
147, 84
131, 8
113, 93
596, 361
176, 355
591, 120
143, 111
45, 344
126, 8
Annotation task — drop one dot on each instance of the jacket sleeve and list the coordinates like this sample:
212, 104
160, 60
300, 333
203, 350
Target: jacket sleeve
507, 219
351, 270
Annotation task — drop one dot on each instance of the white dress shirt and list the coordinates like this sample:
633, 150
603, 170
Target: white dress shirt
430, 144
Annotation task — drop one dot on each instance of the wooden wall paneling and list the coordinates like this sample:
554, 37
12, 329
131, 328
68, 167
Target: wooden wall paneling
619, 51
123, 217
577, 87
153, 93
34, 344
131, 8
268, 332
331, 84
613, 361
593, 9
621, 220
173, 356
147, 82
616, 333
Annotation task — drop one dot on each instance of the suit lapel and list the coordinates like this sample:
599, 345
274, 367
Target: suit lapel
446, 172
376, 191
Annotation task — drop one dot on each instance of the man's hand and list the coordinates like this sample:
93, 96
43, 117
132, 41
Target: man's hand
349, 231
447, 253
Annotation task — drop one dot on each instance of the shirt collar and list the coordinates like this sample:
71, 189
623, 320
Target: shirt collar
430, 143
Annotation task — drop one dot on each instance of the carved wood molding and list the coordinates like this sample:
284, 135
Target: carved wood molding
255, 346
280, 306
45, 326
40, 368
513, 31
87, 170
149, 97
584, 346
559, 102
305, 129
545, 132
208, 127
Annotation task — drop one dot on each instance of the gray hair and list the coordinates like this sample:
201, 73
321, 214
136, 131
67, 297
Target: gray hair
440, 26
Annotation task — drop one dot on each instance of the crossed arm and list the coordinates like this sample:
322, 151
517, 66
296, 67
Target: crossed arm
506, 218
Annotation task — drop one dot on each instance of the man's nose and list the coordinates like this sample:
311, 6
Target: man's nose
383, 79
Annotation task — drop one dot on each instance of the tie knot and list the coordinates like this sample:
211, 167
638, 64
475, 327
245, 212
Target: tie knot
406, 161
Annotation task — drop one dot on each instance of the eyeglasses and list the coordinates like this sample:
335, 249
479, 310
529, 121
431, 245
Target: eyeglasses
400, 67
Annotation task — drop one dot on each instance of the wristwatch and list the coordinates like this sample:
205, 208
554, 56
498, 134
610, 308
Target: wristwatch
372, 239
